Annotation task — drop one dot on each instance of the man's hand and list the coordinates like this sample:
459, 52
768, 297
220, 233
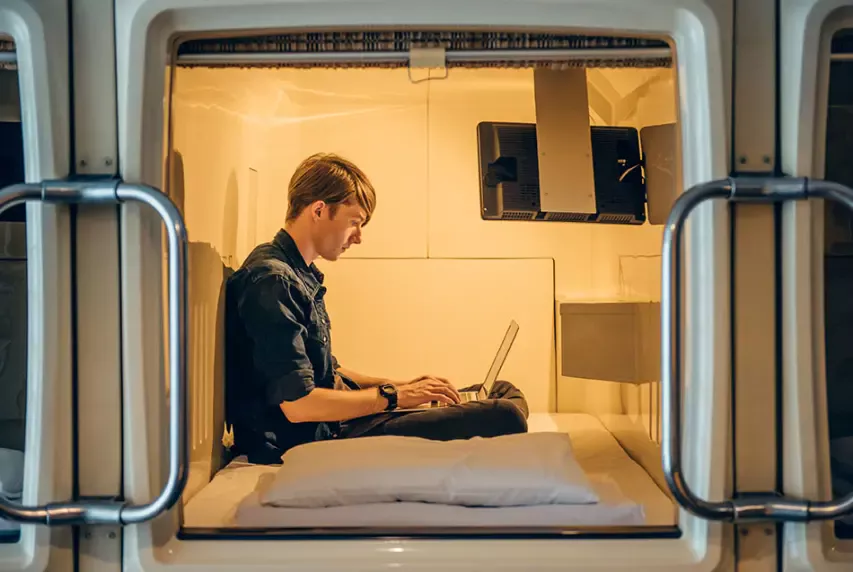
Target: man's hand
424, 389
421, 378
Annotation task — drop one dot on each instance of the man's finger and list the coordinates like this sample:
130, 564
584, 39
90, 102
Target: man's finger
440, 397
448, 391
449, 386
455, 392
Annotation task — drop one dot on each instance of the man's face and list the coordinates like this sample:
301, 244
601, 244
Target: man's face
335, 234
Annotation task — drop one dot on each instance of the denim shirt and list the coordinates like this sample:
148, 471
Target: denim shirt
278, 348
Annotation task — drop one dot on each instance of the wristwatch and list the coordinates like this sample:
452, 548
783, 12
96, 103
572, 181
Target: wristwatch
389, 392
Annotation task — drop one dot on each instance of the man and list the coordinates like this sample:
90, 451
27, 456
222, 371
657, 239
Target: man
284, 385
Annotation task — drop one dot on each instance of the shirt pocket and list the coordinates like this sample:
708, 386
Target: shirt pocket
318, 324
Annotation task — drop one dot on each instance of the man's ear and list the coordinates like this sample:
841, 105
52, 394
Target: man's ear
317, 209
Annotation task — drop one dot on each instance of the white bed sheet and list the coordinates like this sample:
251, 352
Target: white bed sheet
629, 497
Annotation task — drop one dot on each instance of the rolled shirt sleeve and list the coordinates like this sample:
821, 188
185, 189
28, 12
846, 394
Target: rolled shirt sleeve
273, 318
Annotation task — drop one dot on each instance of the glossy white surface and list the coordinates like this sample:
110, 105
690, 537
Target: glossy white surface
808, 26
143, 29
39, 29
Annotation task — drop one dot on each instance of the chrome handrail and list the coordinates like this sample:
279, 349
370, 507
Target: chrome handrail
114, 512
746, 508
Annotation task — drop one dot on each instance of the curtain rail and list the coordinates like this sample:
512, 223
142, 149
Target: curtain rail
403, 57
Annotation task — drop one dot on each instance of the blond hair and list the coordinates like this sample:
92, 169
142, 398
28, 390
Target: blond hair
332, 179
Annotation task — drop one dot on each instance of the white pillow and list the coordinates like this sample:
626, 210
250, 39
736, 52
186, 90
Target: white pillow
11, 472
511, 470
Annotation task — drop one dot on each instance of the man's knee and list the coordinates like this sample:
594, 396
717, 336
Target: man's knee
504, 390
509, 418
502, 386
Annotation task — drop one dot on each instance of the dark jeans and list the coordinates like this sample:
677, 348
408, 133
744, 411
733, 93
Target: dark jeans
503, 413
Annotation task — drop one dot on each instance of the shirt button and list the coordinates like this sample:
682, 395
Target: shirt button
325, 339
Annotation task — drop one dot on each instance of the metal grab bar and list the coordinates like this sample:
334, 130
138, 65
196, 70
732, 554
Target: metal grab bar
114, 512
758, 507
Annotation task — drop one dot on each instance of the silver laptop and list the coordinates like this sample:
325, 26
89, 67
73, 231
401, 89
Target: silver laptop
486, 387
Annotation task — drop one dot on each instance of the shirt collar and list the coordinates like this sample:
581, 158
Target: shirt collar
286, 243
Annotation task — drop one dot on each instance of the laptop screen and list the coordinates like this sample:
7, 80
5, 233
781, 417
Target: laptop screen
500, 358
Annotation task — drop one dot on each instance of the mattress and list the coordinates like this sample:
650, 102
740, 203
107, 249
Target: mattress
628, 496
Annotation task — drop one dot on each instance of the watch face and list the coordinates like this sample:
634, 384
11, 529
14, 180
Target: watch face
389, 392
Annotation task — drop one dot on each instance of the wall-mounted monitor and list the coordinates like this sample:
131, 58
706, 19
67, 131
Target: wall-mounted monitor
510, 185
625, 179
